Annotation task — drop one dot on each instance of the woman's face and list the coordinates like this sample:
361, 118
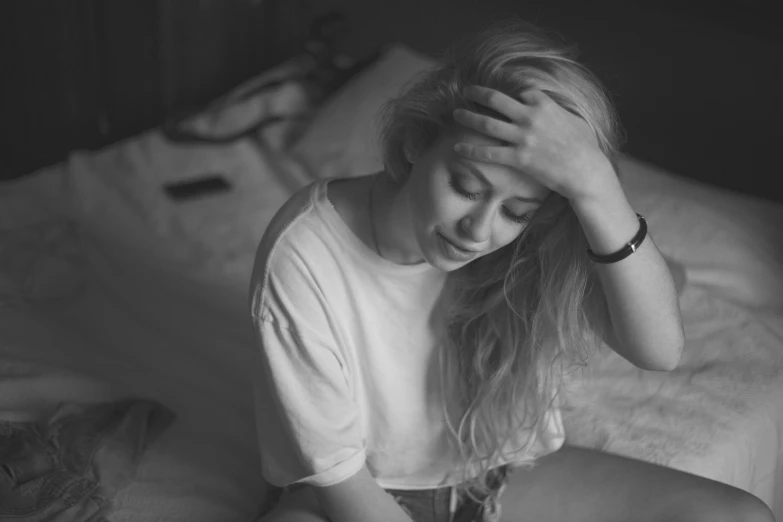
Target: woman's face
462, 209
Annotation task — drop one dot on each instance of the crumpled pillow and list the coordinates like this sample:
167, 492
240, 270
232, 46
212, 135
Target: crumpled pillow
341, 139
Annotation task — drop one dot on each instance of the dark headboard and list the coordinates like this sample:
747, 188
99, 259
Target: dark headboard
698, 92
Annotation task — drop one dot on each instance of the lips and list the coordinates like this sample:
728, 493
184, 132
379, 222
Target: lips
460, 247
455, 252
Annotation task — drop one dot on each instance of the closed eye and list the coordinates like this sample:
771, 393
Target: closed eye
473, 196
524, 218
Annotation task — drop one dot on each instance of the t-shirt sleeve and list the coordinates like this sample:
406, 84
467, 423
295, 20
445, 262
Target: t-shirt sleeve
308, 423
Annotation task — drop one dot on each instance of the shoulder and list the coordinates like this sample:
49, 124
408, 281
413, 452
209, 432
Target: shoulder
282, 238
295, 255
298, 208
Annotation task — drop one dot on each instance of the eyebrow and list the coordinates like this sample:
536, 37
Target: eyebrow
476, 172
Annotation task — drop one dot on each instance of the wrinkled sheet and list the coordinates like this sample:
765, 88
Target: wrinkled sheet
109, 290
718, 415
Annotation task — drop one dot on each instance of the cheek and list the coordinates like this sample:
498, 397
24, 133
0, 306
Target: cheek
505, 233
447, 208
432, 202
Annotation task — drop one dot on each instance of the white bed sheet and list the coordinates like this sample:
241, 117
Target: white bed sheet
111, 290
718, 415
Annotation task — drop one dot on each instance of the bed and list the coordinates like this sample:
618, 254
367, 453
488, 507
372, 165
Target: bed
108, 289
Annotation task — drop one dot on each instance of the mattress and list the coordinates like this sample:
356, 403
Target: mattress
109, 289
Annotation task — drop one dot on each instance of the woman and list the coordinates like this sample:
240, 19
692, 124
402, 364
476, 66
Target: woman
414, 325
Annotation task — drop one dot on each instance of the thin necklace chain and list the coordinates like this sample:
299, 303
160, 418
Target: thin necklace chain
372, 220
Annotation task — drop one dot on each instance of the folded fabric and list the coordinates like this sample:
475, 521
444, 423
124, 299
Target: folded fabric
72, 468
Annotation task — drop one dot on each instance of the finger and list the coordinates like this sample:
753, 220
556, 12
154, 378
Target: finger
496, 100
487, 125
486, 153
534, 97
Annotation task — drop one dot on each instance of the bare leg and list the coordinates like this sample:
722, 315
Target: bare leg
300, 506
581, 485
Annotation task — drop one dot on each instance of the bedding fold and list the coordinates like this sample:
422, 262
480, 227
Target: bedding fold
71, 467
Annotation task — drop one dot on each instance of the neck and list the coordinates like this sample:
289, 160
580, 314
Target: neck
393, 225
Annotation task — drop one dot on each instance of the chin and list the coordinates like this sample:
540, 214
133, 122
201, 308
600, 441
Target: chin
445, 265
436, 261
435, 256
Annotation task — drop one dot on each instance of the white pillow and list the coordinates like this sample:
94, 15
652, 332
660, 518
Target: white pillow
342, 138
726, 241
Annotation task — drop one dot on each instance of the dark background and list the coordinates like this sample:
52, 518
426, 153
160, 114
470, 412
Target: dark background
698, 87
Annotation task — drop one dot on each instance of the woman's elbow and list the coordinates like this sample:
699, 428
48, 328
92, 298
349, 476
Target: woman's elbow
668, 364
666, 356
660, 352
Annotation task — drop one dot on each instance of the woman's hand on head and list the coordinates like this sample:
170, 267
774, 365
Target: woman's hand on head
543, 140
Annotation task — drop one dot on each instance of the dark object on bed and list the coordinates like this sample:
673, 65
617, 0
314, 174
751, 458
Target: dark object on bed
206, 185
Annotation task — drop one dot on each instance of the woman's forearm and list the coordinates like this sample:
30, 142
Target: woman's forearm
640, 291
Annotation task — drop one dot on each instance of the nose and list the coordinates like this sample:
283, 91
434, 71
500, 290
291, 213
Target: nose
476, 226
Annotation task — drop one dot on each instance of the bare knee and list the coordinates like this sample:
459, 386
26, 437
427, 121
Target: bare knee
728, 505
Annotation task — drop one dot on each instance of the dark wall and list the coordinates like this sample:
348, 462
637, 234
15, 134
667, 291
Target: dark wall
84, 73
698, 90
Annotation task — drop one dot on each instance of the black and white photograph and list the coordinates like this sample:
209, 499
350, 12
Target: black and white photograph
391, 261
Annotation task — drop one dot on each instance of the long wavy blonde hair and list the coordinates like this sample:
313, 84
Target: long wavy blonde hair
519, 317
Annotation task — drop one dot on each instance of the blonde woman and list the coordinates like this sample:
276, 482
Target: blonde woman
414, 325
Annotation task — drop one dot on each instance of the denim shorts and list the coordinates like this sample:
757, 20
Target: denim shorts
447, 504
444, 504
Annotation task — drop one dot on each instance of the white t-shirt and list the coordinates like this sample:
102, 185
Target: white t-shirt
347, 362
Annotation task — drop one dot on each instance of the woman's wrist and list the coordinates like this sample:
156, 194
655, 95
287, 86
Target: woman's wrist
597, 180
608, 220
